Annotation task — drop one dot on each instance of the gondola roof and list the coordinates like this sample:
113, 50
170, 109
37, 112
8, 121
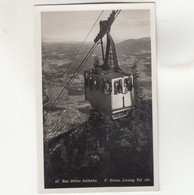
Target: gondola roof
114, 75
109, 74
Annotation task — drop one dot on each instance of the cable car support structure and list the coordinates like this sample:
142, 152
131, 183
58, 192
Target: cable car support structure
105, 27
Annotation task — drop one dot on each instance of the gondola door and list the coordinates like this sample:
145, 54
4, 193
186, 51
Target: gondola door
117, 95
127, 89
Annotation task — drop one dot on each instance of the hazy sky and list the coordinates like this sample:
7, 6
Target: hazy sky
70, 26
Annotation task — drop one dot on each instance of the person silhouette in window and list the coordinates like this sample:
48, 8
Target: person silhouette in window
125, 89
116, 88
107, 88
120, 86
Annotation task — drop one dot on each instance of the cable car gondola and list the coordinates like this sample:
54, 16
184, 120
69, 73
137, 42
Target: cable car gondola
107, 87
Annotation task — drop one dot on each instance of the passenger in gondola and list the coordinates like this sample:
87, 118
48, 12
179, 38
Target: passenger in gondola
110, 87
120, 86
125, 89
129, 84
116, 88
107, 88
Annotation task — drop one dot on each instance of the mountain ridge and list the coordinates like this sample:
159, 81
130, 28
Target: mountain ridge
134, 45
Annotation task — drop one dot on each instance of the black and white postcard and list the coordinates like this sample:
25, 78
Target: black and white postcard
96, 97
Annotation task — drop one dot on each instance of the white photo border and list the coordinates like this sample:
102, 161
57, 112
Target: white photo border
78, 7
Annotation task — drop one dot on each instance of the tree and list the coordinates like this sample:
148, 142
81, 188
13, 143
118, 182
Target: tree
138, 91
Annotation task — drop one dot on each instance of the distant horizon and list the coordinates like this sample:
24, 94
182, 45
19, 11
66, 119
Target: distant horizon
76, 42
